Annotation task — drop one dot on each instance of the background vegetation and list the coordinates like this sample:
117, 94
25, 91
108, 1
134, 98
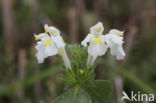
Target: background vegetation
22, 80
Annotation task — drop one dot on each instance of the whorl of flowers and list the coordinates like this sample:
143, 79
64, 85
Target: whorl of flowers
51, 43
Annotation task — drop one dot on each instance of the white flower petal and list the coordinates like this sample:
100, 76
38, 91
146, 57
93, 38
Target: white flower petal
113, 50
53, 31
116, 32
58, 41
98, 50
87, 39
93, 49
117, 51
45, 26
102, 50
97, 29
117, 40
51, 50
121, 54
41, 56
40, 52
41, 36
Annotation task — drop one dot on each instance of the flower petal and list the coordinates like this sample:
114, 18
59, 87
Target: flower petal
121, 54
58, 41
97, 29
117, 51
51, 50
40, 52
97, 49
87, 39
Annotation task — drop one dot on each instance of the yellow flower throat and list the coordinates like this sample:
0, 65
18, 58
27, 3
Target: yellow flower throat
48, 43
97, 40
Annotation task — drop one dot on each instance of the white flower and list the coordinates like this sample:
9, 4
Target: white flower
96, 40
50, 45
45, 47
51, 30
114, 39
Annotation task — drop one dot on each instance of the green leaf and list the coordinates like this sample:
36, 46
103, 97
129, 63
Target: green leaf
73, 96
100, 91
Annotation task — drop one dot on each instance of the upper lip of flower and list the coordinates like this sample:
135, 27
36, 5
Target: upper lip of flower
41, 36
98, 29
49, 29
51, 32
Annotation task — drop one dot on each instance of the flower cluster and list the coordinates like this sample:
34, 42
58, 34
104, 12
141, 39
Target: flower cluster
51, 43
99, 43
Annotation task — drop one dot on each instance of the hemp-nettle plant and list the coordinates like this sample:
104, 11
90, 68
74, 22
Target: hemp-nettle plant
79, 72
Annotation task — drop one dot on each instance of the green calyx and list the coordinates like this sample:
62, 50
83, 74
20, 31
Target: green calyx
78, 77
79, 74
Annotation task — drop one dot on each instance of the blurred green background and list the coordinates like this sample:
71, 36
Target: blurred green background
22, 80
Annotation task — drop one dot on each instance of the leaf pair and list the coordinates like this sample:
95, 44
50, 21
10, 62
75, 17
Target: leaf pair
99, 91
74, 96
